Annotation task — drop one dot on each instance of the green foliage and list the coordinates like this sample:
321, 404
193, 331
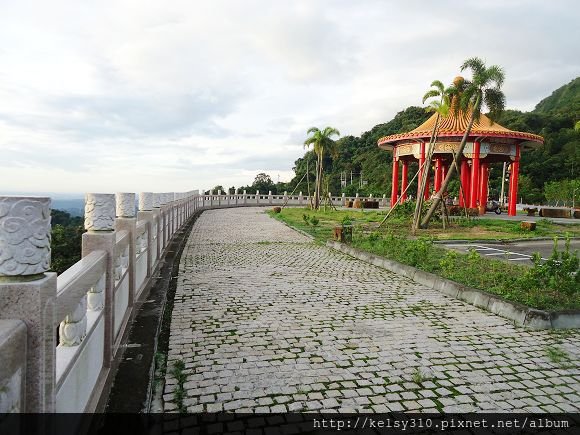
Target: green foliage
563, 100
321, 143
314, 221
559, 272
66, 240
545, 286
556, 354
347, 220
177, 371
404, 211
554, 118
564, 191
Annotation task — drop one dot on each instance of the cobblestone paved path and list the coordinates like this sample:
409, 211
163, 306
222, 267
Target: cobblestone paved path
265, 320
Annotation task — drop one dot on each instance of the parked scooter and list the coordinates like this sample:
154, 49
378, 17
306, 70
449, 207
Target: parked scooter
493, 206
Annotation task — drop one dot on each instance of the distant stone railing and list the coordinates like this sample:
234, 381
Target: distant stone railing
92, 303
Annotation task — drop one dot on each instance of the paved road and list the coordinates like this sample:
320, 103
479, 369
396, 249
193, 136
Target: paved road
267, 321
520, 252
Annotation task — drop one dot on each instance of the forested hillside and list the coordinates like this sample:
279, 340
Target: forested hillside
553, 118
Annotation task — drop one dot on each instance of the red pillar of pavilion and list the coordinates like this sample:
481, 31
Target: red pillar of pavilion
514, 173
464, 191
395, 186
475, 187
438, 175
421, 167
484, 178
404, 180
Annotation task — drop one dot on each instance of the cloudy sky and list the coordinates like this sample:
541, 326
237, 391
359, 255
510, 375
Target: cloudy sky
136, 95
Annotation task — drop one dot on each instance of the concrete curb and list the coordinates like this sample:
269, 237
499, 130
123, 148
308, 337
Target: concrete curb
521, 315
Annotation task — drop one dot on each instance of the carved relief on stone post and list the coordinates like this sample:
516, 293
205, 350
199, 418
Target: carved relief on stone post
145, 201
99, 212
96, 295
125, 204
24, 236
73, 329
156, 200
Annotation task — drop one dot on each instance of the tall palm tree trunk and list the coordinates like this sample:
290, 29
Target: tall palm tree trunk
319, 178
438, 195
425, 176
317, 183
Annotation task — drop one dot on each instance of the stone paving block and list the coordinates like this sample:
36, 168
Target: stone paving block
261, 311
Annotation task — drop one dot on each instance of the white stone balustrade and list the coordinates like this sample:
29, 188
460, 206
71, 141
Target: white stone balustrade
92, 302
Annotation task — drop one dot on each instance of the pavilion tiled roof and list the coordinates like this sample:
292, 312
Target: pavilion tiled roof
455, 124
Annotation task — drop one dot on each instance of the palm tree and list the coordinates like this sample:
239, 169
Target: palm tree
484, 89
441, 107
321, 141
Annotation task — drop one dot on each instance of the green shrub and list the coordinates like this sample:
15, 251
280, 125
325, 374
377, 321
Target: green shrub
559, 272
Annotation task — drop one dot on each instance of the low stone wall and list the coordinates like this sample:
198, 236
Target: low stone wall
520, 314
556, 212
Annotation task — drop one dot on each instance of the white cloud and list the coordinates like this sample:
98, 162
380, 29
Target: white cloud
142, 95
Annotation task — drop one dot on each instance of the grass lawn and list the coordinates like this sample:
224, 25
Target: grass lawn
549, 286
459, 228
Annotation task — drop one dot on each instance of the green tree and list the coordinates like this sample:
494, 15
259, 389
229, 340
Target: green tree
441, 107
484, 89
565, 191
263, 183
66, 240
321, 142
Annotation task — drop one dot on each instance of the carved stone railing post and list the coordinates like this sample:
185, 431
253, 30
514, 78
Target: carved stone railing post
145, 213
182, 206
285, 199
163, 221
156, 230
300, 198
211, 198
28, 291
172, 213
269, 197
245, 197
257, 196
343, 200
171, 203
101, 236
384, 204
127, 221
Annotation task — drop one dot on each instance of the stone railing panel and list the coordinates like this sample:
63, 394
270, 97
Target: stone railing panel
13, 366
